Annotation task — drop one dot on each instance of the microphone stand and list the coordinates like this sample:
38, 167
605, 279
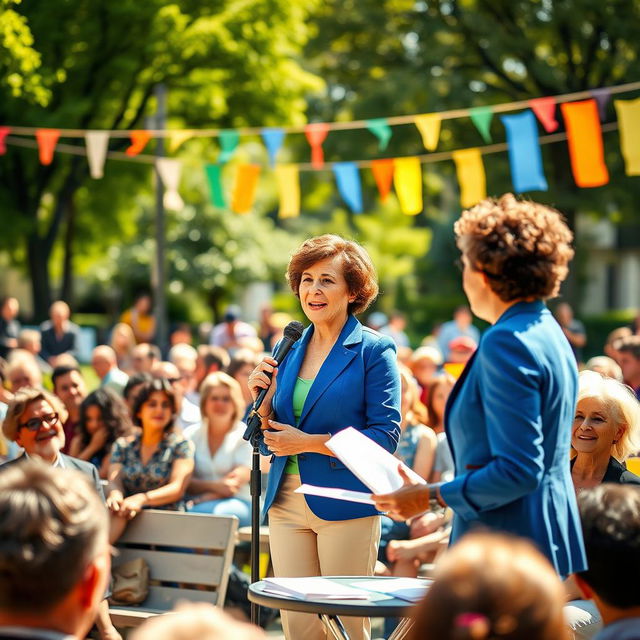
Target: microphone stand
254, 429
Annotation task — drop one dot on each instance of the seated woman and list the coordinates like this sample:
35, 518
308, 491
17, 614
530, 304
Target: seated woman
222, 458
605, 432
151, 468
103, 418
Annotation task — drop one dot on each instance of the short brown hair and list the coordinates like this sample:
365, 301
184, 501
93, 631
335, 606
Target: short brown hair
521, 246
492, 586
52, 525
630, 344
21, 400
358, 270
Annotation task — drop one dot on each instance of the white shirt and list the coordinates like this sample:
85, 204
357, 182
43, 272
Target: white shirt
233, 452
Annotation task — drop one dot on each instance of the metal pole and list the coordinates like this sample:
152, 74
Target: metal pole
160, 280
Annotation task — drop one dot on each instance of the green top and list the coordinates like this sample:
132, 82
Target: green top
300, 393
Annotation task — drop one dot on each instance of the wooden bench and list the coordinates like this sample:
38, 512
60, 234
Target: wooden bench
189, 557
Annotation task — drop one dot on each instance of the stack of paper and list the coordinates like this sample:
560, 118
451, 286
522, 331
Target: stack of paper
369, 462
411, 589
313, 589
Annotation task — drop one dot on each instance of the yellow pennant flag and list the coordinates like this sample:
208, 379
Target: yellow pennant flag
471, 176
629, 120
244, 189
407, 180
429, 128
178, 138
287, 177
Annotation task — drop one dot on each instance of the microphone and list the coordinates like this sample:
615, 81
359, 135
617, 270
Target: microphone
291, 334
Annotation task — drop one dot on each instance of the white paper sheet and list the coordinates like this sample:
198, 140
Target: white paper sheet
314, 588
368, 461
410, 589
336, 494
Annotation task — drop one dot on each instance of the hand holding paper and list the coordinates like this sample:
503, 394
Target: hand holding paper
408, 501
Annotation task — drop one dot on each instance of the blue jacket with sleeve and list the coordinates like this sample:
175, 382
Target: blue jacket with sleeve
357, 386
508, 422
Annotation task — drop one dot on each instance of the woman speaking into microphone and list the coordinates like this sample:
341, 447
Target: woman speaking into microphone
338, 375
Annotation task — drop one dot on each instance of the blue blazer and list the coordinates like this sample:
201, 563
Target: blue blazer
508, 422
357, 386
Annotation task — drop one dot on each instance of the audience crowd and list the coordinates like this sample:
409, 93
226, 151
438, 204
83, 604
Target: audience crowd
166, 433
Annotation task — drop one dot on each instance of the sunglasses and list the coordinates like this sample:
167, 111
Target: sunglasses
35, 423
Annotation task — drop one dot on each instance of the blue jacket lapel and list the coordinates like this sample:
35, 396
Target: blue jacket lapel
335, 363
287, 382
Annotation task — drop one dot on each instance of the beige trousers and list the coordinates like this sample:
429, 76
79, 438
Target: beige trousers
304, 545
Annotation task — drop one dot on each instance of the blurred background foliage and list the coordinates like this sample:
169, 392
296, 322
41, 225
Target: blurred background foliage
231, 63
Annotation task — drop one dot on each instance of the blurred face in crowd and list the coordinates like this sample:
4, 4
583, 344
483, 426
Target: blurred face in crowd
10, 309
187, 370
439, 400
23, 376
594, 429
101, 365
219, 405
242, 376
423, 370
93, 419
40, 431
143, 305
462, 318
564, 314
142, 359
71, 389
156, 413
630, 366
59, 314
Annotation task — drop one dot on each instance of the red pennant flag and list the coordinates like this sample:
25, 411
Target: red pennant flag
585, 143
47, 140
4, 132
545, 110
139, 141
316, 134
383, 174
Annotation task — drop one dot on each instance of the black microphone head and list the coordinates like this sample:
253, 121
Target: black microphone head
293, 330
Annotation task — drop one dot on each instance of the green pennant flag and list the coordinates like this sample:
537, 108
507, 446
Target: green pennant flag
229, 139
381, 130
214, 175
481, 117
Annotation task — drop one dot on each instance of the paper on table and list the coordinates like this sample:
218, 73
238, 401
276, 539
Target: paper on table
314, 588
411, 589
336, 494
369, 462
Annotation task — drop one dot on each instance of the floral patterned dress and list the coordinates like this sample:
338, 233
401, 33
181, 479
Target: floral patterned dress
137, 477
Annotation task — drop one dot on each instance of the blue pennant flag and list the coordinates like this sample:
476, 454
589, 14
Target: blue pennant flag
273, 139
525, 157
348, 180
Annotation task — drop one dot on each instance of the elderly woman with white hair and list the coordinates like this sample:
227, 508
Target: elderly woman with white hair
605, 432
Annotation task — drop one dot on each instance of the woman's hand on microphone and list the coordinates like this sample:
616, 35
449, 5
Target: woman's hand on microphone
259, 380
285, 440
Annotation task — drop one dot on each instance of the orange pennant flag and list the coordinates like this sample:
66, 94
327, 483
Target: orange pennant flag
585, 143
47, 140
244, 188
545, 110
383, 174
139, 141
316, 134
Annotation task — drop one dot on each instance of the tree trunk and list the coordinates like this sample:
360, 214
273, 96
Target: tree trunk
38, 260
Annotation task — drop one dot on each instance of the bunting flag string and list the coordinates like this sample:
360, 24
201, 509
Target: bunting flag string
287, 178
381, 130
170, 170
586, 148
383, 175
244, 190
471, 176
348, 181
273, 139
481, 118
525, 157
407, 180
139, 141
629, 120
229, 141
4, 132
429, 127
316, 135
214, 177
602, 95
47, 140
97, 143
545, 110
